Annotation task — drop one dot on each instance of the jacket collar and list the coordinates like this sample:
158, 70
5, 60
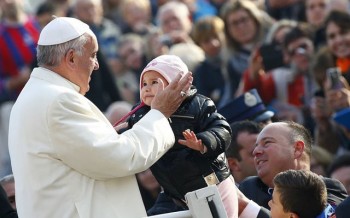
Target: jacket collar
52, 77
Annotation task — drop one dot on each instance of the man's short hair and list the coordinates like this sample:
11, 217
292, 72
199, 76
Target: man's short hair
301, 192
300, 133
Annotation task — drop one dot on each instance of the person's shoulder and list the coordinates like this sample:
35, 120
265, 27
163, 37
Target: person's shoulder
251, 180
336, 191
332, 183
252, 185
343, 209
203, 101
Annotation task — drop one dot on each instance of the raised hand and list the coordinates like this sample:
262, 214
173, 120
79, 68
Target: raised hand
168, 99
192, 142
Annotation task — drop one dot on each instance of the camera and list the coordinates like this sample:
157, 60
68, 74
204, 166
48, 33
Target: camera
166, 40
334, 75
272, 56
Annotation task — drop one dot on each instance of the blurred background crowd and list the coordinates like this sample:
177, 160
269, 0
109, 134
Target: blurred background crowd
283, 49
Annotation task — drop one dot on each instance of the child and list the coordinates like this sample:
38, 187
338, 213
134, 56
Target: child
197, 158
298, 194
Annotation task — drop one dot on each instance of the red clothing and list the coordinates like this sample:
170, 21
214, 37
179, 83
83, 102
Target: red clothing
266, 86
17, 49
343, 64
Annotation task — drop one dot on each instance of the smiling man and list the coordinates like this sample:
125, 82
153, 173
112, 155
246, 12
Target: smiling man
281, 146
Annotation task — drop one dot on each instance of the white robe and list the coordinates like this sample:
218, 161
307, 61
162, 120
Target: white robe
67, 159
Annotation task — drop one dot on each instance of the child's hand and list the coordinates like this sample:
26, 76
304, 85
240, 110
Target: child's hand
192, 142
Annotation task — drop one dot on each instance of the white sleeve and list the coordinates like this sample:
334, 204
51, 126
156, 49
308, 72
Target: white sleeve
251, 210
85, 141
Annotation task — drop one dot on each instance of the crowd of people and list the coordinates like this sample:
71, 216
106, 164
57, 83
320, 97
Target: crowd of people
252, 96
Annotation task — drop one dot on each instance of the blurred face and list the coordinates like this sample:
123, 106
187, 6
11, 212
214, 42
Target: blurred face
85, 64
11, 8
89, 11
247, 141
172, 21
156, 45
338, 40
339, 5
211, 46
135, 14
241, 26
343, 175
150, 86
276, 206
300, 52
274, 152
280, 34
316, 11
9, 188
131, 54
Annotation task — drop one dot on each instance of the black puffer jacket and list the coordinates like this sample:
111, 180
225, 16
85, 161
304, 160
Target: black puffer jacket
182, 169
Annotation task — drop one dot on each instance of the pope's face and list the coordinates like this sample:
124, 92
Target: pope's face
85, 64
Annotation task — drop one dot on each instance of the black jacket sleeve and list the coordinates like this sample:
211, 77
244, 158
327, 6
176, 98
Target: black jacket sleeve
216, 132
6, 211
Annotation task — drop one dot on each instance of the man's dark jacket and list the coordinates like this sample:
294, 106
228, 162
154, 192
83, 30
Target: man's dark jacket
6, 211
343, 210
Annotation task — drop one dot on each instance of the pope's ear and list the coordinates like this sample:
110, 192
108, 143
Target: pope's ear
69, 57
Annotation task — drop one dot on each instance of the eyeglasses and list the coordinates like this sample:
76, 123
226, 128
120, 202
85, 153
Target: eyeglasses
301, 49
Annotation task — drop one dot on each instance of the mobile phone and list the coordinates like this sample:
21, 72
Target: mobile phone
334, 75
272, 56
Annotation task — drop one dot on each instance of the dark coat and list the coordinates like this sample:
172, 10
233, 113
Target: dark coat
6, 211
182, 169
343, 210
209, 80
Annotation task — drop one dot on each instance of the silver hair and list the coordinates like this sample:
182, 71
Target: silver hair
51, 55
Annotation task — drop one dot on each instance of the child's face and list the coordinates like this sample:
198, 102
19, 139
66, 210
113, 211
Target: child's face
211, 46
276, 206
150, 86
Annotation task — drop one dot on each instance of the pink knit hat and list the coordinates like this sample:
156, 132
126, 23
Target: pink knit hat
167, 65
